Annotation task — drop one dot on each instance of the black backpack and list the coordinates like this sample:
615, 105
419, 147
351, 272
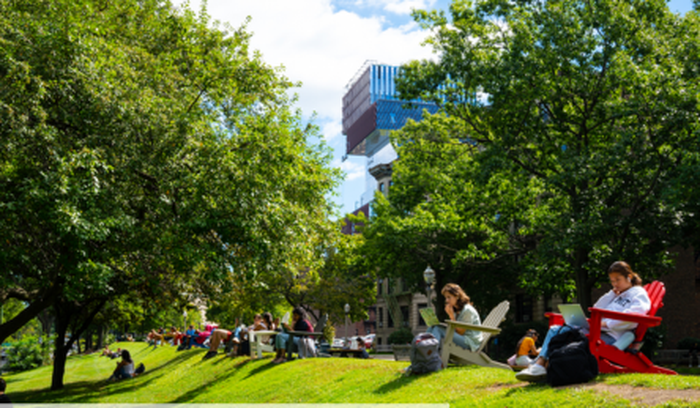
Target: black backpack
425, 355
570, 359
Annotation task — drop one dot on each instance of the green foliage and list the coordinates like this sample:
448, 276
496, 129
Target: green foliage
444, 210
27, 353
329, 333
654, 340
400, 336
686, 343
593, 107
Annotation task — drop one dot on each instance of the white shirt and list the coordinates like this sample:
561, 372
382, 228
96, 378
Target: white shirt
470, 315
633, 300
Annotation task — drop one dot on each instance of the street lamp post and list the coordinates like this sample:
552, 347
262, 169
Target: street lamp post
429, 277
347, 313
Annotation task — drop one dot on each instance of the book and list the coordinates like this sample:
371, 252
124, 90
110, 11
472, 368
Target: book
429, 316
285, 318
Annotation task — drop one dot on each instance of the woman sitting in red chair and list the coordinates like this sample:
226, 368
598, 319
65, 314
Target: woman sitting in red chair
627, 296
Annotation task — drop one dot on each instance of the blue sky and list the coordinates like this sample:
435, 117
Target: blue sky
323, 43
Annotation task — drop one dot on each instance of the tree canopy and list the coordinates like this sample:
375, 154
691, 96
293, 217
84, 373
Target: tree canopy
596, 103
144, 150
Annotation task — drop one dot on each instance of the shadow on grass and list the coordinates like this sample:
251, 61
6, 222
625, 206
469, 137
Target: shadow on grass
261, 369
400, 381
192, 394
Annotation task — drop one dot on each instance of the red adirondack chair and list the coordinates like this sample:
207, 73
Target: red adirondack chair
610, 358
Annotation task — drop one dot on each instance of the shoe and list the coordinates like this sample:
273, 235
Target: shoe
209, 354
533, 373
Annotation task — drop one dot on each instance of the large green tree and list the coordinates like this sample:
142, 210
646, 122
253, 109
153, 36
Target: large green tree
596, 100
144, 149
446, 210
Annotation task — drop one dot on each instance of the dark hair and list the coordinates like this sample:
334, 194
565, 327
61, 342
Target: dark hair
3, 384
267, 317
529, 333
126, 356
454, 290
299, 312
625, 270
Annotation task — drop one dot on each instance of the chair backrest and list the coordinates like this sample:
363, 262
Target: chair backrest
321, 324
656, 291
494, 319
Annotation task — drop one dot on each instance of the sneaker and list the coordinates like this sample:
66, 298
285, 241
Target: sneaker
533, 373
209, 354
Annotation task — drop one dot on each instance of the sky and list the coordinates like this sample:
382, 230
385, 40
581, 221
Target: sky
323, 44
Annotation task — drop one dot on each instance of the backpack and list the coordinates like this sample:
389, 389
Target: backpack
424, 354
570, 359
307, 348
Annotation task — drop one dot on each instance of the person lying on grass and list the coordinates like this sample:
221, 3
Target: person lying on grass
627, 296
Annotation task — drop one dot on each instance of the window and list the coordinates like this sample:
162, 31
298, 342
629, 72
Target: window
379, 287
379, 341
381, 187
421, 322
523, 308
389, 321
405, 315
380, 317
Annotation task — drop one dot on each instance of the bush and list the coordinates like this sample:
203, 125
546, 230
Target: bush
401, 336
329, 333
654, 340
26, 354
687, 342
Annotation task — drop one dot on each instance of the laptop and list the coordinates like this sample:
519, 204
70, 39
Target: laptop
429, 317
573, 315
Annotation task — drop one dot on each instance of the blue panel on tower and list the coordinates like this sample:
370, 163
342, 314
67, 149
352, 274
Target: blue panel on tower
392, 115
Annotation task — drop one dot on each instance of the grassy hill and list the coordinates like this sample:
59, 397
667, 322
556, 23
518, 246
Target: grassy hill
180, 377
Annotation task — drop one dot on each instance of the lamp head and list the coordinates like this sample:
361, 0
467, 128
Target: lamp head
347, 308
429, 275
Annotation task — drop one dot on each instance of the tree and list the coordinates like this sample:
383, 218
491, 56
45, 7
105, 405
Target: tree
596, 101
144, 149
448, 211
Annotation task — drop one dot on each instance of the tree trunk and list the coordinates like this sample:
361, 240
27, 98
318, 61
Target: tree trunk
100, 337
60, 353
583, 289
11, 326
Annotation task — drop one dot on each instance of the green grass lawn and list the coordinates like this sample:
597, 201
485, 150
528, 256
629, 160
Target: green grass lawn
179, 377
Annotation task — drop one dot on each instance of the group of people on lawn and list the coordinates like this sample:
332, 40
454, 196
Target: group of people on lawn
627, 296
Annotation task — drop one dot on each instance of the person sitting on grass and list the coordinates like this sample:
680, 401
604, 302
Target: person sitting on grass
627, 296
4, 399
525, 351
282, 339
459, 308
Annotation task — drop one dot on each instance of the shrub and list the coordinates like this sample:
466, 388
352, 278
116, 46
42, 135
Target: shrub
654, 340
26, 354
329, 333
401, 336
687, 342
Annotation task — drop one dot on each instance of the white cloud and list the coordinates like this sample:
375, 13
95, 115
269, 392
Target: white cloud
320, 46
406, 6
353, 169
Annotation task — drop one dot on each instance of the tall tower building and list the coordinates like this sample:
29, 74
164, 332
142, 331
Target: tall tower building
371, 109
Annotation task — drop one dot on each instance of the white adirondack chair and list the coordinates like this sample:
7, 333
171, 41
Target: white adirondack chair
257, 346
489, 327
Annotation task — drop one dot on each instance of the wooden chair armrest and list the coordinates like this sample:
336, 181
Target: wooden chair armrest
304, 333
263, 332
650, 321
463, 325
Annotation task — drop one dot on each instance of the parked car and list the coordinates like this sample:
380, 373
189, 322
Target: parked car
369, 340
338, 343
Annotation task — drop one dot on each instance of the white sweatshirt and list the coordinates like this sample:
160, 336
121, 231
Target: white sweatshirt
633, 300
